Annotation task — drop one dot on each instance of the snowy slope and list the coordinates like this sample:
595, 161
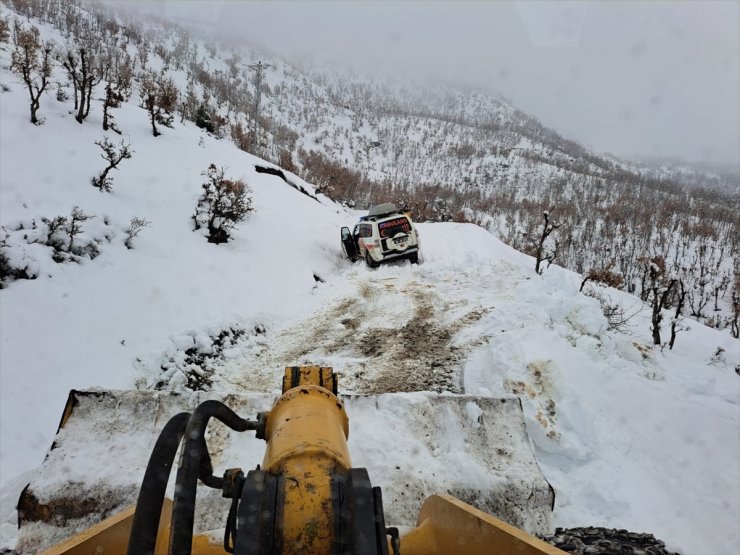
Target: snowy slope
171, 281
628, 436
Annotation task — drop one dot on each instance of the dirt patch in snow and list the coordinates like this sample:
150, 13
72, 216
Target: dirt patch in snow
538, 387
379, 347
396, 333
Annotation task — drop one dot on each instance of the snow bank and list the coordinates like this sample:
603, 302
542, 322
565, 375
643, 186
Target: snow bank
630, 436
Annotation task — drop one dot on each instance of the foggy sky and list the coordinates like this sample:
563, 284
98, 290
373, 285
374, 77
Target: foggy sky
655, 78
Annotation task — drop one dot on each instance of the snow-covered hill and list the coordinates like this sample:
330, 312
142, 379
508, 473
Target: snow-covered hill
448, 154
629, 436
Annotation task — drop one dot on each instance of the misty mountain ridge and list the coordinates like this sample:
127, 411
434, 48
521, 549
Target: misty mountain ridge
712, 175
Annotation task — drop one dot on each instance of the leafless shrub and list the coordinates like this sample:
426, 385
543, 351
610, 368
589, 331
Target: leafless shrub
718, 358
61, 232
76, 218
114, 156
55, 228
604, 276
223, 204
134, 227
617, 316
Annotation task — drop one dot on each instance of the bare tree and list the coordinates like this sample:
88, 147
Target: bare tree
70, 63
705, 264
85, 70
114, 156
538, 246
720, 285
118, 75
31, 59
188, 103
159, 98
661, 288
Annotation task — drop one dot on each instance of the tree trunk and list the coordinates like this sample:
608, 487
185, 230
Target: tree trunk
80, 117
85, 81
679, 309
155, 132
105, 112
34, 108
673, 334
101, 179
34, 100
656, 318
89, 97
74, 87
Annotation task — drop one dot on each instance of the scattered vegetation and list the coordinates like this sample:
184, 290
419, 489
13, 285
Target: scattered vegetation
464, 165
61, 232
27, 246
196, 357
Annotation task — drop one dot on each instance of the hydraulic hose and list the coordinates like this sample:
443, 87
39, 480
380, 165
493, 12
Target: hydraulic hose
151, 495
192, 464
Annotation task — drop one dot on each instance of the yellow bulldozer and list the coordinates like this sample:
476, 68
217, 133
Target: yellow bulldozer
304, 498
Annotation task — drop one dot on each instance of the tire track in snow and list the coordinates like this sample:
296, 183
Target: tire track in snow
395, 335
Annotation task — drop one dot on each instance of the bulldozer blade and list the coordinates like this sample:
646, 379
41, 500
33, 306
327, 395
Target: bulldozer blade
413, 445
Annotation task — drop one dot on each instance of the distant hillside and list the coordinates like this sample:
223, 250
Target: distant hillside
444, 154
721, 177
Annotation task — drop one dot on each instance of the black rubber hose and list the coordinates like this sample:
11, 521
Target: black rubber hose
183, 510
205, 468
151, 495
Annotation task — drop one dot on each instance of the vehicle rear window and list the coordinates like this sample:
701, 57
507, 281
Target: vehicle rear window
366, 230
389, 228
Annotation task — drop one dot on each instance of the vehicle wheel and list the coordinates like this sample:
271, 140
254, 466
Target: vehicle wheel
414, 258
370, 262
606, 541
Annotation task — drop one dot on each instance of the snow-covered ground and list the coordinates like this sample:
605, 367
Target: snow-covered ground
629, 436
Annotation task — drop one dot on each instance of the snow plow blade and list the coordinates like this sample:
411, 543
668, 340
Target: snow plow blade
447, 525
475, 449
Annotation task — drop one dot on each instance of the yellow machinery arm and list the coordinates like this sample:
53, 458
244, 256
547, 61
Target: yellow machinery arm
306, 498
